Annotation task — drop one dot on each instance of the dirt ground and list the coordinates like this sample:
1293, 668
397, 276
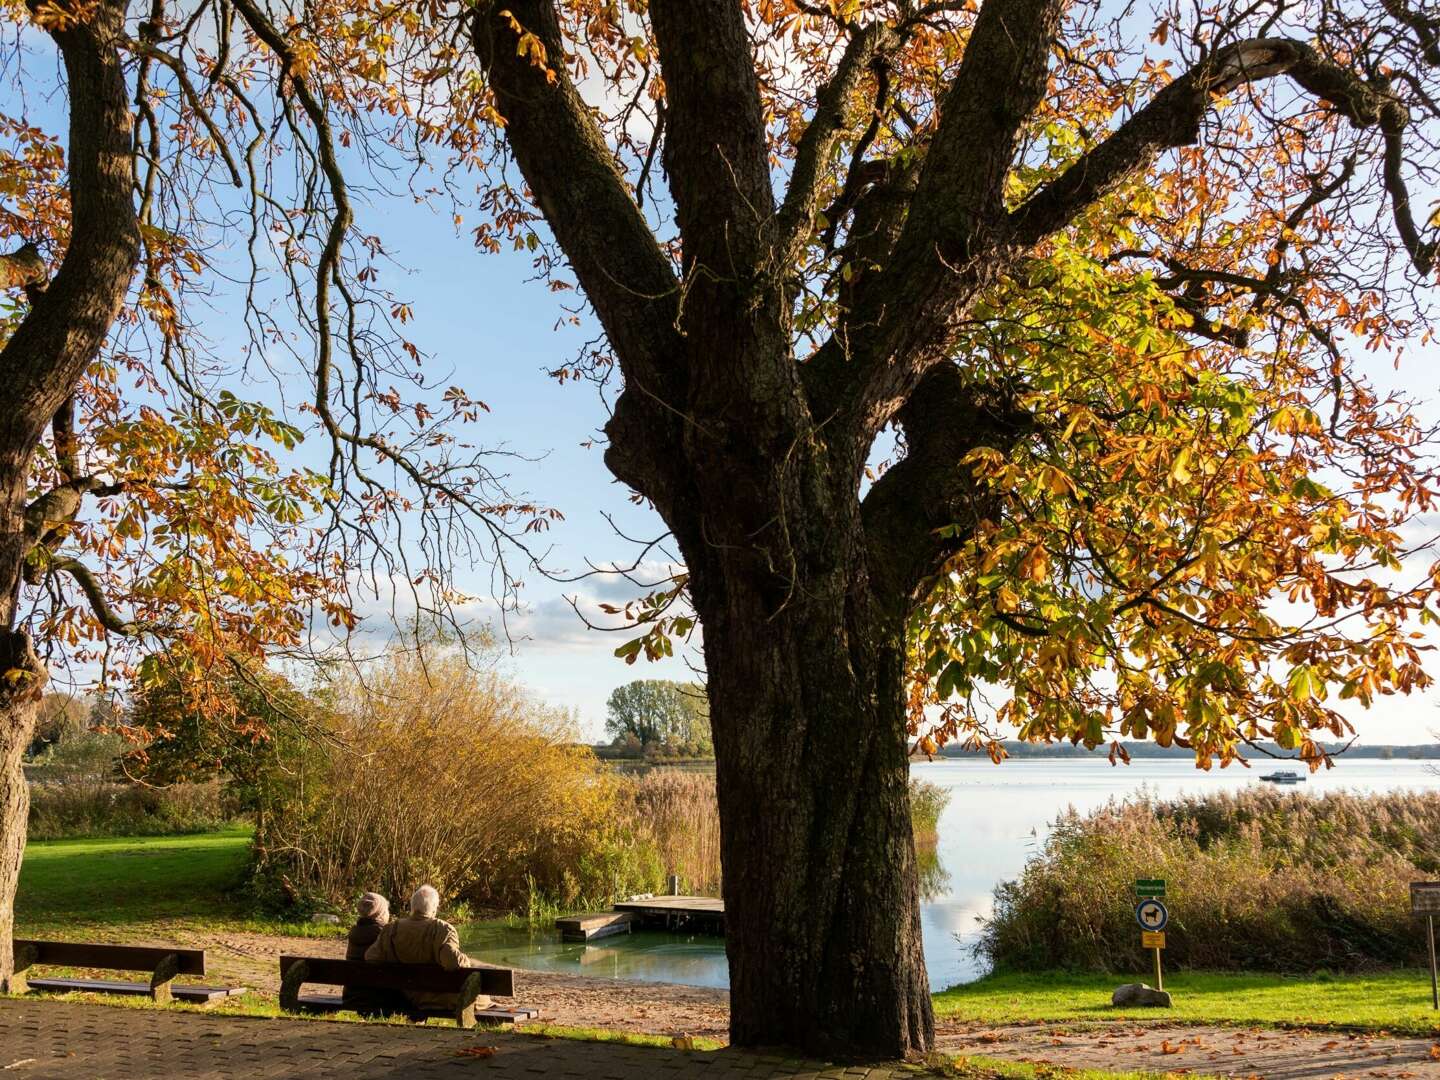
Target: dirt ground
253, 960
1203, 1050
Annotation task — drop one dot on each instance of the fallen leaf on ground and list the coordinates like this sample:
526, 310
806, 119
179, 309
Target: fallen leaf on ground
1167, 1047
476, 1051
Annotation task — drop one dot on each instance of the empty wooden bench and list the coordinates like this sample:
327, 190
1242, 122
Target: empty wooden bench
467, 984
163, 963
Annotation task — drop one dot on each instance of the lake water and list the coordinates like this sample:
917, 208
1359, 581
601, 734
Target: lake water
997, 817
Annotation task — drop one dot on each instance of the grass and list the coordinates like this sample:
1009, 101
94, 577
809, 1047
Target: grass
1394, 1001
126, 886
983, 1068
125, 879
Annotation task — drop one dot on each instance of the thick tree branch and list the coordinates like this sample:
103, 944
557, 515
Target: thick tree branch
792, 225
715, 153
930, 489
577, 185
22, 268
902, 318
1001, 80
95, 594
69, 320
1173, 118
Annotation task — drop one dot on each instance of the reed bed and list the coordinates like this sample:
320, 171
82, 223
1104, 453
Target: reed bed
1256, 880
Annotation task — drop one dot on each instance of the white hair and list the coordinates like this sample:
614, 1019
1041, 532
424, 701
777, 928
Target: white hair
425, 902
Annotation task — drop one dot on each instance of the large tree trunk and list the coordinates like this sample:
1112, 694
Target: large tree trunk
23, 678
821, 893
804, 660
43, 360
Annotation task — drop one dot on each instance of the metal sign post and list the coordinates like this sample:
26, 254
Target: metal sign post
1425, 900
1153, 916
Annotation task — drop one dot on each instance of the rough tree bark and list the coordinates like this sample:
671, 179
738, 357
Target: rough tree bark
756, 461
64, 330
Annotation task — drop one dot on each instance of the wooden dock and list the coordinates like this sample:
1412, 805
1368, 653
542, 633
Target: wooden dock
701, 914
597, 925
696, 914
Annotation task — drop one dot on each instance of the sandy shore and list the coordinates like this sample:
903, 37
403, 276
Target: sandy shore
253, 960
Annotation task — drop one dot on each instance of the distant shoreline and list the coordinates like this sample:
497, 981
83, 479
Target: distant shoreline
1019, 751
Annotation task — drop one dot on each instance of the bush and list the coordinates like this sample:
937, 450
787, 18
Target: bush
1261, 880
434, 773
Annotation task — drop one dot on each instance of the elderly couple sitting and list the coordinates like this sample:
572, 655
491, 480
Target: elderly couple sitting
419, 938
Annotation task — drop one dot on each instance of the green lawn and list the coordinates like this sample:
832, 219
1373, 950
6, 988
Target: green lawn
137, 886
128, 879
1393, 1001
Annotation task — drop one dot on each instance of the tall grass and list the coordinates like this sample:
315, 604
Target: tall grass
673, 812
927, 803
1258, 880
87, 809
75, 793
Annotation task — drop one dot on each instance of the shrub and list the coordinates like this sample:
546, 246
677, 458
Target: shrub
433, 772
1260, 879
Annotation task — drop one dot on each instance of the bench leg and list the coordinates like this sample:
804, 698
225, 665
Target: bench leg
290, 984
26, 956
164, 975
465, 1006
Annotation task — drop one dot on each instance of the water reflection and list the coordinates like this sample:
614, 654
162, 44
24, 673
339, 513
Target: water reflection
934, 878
647, 956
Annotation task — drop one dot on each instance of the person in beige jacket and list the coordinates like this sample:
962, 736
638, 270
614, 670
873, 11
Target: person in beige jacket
421, 938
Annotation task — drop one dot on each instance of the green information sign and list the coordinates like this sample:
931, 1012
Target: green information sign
1150, 887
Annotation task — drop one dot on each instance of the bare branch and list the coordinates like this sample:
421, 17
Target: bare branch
1173, 118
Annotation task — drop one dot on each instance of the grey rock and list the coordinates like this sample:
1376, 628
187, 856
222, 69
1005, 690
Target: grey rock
325, 917
1139, 994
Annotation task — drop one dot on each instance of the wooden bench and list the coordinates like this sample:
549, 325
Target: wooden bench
163, 963
466, 984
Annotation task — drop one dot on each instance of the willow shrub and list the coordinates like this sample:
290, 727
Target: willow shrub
1261, 879
439, 773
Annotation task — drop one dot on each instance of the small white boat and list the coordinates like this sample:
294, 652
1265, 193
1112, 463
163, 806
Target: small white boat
1284, 776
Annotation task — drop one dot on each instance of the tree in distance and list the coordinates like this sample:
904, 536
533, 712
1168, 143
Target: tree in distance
657, 716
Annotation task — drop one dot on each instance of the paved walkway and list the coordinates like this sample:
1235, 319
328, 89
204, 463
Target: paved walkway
98, 1042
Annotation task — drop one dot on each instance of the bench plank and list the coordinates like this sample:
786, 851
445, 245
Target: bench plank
109, 957
202, 995
494, 982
